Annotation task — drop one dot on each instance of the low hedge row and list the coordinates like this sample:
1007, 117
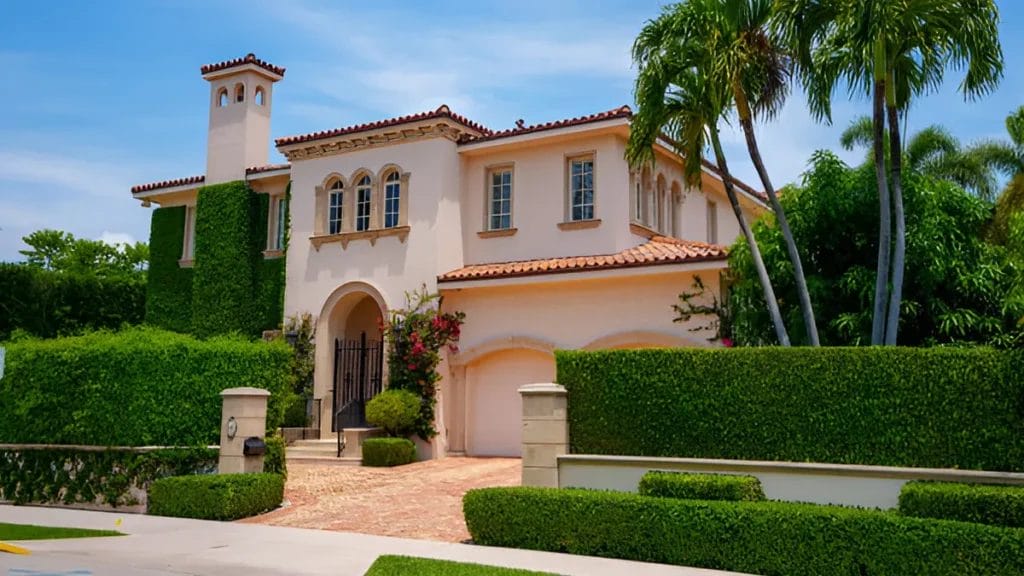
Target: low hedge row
986, 504
756, 537
388, 451
701, 486
889, 406
137, 387
216, 496
112, 477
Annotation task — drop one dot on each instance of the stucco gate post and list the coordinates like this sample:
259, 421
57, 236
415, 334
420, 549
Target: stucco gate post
245, 411
545, 432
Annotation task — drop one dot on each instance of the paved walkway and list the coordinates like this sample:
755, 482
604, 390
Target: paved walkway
421, 500
172, 547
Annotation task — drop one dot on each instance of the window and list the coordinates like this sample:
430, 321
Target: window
364, 192
638, 203
712, 222
280, 222
337, 197
658, 205
189, 250
239, 93
259, 96
222, 97
581, 189
392, 198
500, 199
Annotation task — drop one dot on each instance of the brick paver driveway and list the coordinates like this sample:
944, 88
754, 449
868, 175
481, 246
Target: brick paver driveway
421, 500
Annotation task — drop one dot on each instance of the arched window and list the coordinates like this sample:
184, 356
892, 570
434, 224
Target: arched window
239, 93
646, 208
259, 96
659, 203
364, 198
392, 198
335, 203
222, 97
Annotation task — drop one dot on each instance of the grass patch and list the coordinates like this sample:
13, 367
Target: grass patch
402, 565
12, 532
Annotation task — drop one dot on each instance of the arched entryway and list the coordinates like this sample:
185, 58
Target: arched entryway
350, 355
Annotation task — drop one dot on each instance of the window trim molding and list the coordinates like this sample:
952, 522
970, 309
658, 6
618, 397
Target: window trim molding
489, 170
497, 233
403, 195
580, 224
353, 203
275, 225
567, 160
373, 234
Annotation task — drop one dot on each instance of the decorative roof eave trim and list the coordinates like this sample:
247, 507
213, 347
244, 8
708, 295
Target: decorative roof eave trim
442, 112
573, 274
264, 174
710, 169
248, 62
373, 138
155, 192
513, 139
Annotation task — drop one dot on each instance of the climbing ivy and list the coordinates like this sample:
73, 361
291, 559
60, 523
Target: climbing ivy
169, 288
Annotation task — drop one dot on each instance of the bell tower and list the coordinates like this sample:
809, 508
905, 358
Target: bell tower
241, 94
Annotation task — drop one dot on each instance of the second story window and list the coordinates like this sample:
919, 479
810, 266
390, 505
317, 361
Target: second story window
280, 222
364, 194
581, 188
335, 204
500, 199
188, 251
392, 198
712, 223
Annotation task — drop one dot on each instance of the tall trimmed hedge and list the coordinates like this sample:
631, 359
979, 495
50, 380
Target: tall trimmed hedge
137, 387
938, 407
169, 291
47, 304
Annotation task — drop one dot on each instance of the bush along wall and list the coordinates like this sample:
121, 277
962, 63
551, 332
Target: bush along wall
938, 407
111, 477
701, 486
137, 387
231, 287
216, 497
46, 304
169, 289
751, 537
987, 504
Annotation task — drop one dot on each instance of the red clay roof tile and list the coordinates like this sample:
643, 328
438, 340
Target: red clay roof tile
657, 250
249, 58
620, 112
267, 168
168, 184
441, 112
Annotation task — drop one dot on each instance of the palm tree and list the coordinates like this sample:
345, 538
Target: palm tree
680, 95
894, 50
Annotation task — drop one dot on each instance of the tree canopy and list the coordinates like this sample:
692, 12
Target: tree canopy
60, 251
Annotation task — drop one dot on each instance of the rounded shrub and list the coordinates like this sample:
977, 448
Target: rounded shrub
701, 486
388, 452
395, 411
216, 496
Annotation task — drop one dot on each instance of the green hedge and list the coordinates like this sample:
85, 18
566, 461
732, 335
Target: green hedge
169, 291
388, 451
938, 407
63, 475
701, 486
48, 304
138, 387
776, 538
986, 504
275, 460
406, 565
216, 496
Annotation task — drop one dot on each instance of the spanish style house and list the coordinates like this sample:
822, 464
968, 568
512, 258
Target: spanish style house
543, 235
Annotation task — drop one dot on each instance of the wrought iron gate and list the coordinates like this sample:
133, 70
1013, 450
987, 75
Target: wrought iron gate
358, 370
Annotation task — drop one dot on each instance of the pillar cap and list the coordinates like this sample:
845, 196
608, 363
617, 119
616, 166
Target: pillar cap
544, 388
245, 391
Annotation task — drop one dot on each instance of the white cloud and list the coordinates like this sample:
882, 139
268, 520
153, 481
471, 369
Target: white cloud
66, 173
116, 238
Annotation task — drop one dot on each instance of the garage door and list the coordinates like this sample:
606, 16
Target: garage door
495, 410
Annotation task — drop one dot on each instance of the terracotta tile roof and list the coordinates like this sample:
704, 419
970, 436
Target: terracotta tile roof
249, 58
442, 112
168, 184
656, 251
620, 112
267, 168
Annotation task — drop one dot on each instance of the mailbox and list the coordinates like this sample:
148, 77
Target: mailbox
254, 446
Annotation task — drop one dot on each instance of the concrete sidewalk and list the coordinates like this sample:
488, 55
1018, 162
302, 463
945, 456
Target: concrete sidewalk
158, 546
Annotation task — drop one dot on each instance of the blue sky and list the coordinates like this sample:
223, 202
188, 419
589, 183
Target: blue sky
98, 96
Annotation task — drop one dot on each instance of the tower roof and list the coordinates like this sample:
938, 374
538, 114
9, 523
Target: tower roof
249, 59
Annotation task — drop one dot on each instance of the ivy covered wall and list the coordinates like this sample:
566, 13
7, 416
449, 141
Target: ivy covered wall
231, 287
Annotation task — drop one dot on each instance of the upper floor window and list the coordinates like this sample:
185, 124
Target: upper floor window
392, 198
364, 196
659, 206
335, 205
280, 222
638, 202
239, 93
222, 97
581, 188
259, 96
712, 223
500, 199
188, 251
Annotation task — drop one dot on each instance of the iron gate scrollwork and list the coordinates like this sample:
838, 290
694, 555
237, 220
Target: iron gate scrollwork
358, 377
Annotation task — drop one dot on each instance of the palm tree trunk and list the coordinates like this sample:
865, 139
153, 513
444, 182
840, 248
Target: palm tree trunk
885, 226
803, 294
900, 244
755, 252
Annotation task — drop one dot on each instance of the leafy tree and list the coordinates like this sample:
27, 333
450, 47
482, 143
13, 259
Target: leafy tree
894, 50
686, 84
47, 248
957, 285
60, 251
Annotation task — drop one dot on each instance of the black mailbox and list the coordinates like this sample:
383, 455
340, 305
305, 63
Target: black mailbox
254, 447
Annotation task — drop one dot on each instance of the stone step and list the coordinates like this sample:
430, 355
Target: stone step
326, 444
324, 460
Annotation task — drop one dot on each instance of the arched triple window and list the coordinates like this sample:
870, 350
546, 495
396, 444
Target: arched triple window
392, 198
364, 201
336, 204
222, 97
259, 98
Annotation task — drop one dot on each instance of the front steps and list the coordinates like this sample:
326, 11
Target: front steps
318, 452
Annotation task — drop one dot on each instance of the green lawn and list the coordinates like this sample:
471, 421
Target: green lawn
10, 532
403, 565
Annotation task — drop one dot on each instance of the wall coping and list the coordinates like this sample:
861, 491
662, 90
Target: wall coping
245, 391
545, 388
811, 468
89, 448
